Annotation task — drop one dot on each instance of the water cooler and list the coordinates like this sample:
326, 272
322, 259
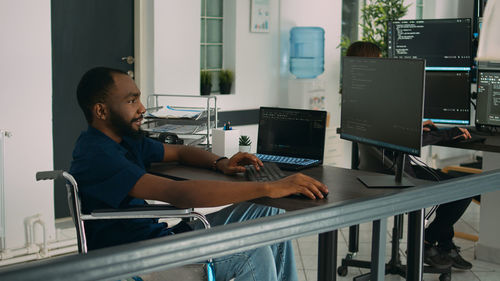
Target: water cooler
305, 89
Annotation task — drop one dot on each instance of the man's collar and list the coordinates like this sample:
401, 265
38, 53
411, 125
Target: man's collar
125, 139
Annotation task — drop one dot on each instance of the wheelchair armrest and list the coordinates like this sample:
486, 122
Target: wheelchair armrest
149, 211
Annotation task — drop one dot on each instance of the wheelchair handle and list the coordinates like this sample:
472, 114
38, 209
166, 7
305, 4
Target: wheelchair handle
49, 175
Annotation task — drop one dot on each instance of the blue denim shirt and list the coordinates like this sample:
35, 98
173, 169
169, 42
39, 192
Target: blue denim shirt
105, 172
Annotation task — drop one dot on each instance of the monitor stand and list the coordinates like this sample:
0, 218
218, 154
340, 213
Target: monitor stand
390, 181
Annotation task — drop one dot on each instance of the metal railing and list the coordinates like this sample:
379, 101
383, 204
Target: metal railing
176, 250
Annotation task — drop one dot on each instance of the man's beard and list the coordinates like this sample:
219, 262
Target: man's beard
123, 127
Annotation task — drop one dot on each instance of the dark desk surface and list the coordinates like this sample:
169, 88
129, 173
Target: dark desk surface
491, 144
344, 187
342, 183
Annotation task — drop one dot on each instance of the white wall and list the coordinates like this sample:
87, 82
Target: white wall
143, 47
176, 47
26, 99
328, 15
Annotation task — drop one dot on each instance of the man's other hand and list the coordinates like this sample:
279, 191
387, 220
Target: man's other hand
465, 134
237, 163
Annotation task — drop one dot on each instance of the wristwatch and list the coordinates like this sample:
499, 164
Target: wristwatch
214, 164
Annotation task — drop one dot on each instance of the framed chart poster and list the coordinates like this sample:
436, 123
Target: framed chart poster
259, 17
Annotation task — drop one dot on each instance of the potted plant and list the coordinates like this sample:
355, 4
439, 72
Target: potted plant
205, 82
374, 17
226, 78
245, 143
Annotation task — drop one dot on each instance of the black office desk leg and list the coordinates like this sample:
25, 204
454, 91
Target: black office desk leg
354, 238
414, 270
379, 234
377, 265
327, 256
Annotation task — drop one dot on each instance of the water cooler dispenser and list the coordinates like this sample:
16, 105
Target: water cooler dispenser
305, 89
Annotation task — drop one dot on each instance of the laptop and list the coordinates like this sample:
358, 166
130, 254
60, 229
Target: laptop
294, 139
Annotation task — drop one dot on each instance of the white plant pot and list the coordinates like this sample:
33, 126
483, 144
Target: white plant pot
245, 148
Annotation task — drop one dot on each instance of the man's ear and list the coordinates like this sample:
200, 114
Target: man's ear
100, 111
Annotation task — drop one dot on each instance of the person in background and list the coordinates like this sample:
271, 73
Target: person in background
110, 162
439, 249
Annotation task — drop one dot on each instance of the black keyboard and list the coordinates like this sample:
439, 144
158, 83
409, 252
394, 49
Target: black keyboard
269, 172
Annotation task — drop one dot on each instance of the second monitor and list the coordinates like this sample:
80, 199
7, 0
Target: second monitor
447, 97
382, 105
488, 97
445, 44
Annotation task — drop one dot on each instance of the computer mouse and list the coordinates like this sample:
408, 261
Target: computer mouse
300, 195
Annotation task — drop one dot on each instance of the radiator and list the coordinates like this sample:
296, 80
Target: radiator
3, 135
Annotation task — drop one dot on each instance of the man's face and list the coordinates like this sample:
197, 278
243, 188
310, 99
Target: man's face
125, 107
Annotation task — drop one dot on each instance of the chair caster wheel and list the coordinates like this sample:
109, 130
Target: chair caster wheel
342, 270
445, 277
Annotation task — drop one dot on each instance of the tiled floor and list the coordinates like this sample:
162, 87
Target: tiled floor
306, 249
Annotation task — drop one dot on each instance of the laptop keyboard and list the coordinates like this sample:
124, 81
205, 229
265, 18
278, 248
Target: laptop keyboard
286, 159
269, 172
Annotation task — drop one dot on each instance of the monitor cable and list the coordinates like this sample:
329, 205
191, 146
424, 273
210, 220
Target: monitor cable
473, 96
393, 160
435, 175
424, 166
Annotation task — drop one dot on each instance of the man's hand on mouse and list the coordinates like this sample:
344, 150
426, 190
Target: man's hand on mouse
298, 184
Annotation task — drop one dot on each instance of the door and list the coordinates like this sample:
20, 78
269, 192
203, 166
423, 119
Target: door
85, 34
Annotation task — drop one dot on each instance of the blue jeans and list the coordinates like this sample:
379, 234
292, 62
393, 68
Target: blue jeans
268, 263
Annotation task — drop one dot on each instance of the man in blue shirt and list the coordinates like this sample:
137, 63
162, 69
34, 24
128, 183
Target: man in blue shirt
110, 161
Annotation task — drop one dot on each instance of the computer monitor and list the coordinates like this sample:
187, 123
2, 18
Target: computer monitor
382, 105
445, 44
488, 97
447, 97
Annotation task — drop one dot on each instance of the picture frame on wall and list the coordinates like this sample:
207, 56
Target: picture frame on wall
259, 17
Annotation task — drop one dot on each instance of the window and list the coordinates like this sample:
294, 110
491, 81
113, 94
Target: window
211, 39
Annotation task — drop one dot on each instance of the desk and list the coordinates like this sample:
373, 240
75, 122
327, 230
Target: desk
491, 144
488, 247
175, 250
344, 186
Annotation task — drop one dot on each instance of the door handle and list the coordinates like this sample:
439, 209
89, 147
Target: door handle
128, 59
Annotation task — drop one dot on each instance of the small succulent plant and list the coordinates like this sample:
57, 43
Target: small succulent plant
245, 140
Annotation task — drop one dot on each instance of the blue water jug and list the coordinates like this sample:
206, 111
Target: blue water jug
307, 51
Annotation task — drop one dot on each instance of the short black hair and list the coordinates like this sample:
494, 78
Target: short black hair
363, 49
93, 88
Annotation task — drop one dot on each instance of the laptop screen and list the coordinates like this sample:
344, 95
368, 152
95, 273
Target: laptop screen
292, 132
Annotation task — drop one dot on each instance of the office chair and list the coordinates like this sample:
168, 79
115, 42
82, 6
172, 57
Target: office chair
370, 161
193, 272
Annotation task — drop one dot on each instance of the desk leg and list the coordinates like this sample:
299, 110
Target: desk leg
378, 249
327, 256
354, 238
414, 270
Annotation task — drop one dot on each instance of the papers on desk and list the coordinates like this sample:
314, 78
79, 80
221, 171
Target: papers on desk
177, 129
176, 112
